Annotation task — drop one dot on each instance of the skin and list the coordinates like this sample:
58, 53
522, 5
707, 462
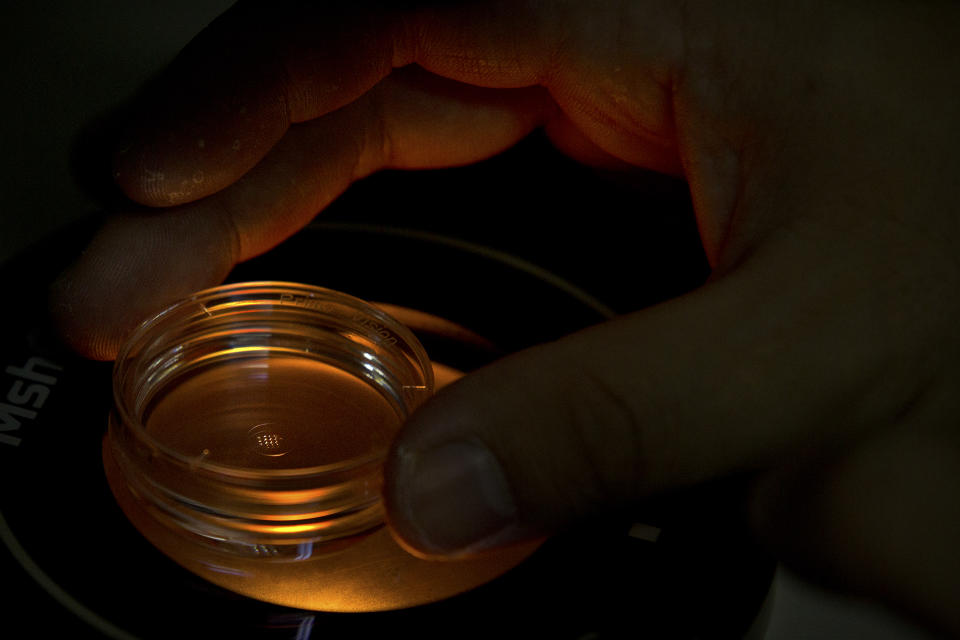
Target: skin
821, 142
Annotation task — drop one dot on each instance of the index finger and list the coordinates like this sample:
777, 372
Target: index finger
233, 92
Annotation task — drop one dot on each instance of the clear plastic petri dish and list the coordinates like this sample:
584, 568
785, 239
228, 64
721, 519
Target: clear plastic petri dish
254, 418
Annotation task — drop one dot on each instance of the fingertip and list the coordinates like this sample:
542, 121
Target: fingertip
75, 327
451, 500
172, 163
151, 177
452, 489
134, 267
199, 125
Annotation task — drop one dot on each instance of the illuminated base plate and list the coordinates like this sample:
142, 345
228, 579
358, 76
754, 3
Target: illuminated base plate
371, 574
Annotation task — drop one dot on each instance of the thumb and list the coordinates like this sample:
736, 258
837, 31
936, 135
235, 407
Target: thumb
698, 387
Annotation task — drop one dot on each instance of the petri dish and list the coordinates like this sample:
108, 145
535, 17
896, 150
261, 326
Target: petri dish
257, 415
247, 438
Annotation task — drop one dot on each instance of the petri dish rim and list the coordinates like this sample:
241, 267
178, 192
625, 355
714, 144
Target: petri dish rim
135, 426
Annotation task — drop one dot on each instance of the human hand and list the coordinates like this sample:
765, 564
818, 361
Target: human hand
820, 143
